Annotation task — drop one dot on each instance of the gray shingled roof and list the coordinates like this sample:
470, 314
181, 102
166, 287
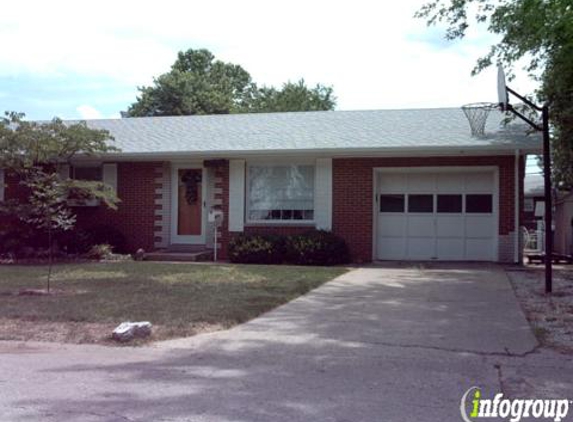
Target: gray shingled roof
334, 131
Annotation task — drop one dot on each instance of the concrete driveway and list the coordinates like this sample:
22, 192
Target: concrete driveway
377, 344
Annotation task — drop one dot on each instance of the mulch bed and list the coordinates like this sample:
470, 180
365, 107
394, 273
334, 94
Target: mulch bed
551, 315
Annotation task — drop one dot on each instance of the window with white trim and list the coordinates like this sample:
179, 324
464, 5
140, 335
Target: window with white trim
92, 173
281, 192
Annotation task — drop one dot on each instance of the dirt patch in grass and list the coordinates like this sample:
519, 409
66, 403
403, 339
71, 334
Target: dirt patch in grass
178, 299
551, 316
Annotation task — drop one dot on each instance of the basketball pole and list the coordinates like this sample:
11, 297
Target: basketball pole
548, 217
548, 204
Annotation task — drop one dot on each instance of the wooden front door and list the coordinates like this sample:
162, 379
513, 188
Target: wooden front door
189, 206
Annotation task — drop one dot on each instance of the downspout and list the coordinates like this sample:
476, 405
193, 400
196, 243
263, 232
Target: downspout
516, 209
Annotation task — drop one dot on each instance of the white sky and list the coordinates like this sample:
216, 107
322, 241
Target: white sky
374, 53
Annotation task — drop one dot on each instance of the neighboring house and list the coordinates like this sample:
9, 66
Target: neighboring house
534, 201
395, 184
563, 237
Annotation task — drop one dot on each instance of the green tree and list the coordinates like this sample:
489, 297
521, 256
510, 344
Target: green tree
538, 31
199, 84
35, 152
292, 97
196, 84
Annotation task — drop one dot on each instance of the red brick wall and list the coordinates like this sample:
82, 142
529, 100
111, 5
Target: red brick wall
353, 194
135, 216
352, 200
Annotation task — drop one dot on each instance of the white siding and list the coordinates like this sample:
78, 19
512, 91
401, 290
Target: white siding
110, 175
236, 195
323, 194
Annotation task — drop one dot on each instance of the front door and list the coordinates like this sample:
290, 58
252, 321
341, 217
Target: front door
188, 205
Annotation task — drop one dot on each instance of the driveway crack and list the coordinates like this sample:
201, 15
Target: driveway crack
507, 353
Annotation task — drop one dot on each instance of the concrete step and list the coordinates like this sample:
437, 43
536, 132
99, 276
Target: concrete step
167, 255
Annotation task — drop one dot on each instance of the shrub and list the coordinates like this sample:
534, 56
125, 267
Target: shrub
21, 240
100, 251
75, 241
104, 234
317, 247
256, 249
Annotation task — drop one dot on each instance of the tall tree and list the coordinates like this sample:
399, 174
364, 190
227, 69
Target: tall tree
539, 31
196, 84
199, 84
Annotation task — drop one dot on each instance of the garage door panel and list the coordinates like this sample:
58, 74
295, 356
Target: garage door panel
450, 226
391, 225
479, 226
421, 248
459, 224
479, 182
391, 248
421, 226
421, 182
450, 183
450, 249
479, 249
392, 183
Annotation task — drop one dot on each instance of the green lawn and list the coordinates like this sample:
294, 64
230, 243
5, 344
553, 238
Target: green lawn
178, 299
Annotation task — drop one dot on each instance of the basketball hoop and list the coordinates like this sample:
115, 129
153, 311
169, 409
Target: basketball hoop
476, 114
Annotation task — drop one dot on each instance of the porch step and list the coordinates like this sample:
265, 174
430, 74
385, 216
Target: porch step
183, 256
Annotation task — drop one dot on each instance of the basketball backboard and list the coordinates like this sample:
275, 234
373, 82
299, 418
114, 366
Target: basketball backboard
502, 95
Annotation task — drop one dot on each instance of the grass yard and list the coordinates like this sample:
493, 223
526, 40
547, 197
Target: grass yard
179, 299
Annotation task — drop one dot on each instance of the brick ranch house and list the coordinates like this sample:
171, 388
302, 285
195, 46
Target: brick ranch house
395, 184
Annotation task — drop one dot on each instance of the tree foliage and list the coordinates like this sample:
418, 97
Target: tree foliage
34, 152
199, 84
538, 31
196, 84
292, 97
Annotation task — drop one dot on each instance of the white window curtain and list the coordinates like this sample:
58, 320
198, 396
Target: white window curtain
281, 192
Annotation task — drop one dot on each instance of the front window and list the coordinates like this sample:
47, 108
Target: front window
88, 173
283, 192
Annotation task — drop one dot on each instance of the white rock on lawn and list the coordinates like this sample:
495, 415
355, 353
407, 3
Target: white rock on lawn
128, 330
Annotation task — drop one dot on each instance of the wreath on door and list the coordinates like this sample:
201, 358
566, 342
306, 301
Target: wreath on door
191, 180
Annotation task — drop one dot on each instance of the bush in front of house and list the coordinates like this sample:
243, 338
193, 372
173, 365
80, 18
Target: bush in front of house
109, 235
256, 249
99, 252
75, 241
317, 247
16, 240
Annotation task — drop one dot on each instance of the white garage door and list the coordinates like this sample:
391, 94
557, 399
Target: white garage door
436, 216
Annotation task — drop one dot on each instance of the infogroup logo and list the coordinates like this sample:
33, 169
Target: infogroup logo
474, 407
